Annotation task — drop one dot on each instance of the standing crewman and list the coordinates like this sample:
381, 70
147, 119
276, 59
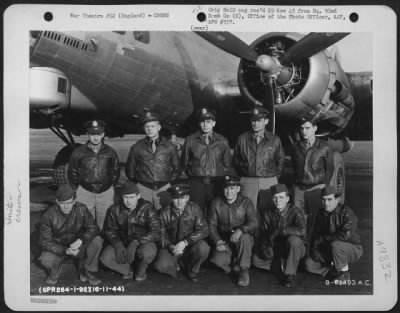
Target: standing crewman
153, 162
312, 160
259, 158
206, 158
94, 170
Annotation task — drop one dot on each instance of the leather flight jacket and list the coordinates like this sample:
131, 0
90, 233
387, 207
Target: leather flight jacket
314, 165
276, 226
190, 225
142, 223
146, 167
340, 224
95, 172
225, 218
59, 230
264, 159
200, 159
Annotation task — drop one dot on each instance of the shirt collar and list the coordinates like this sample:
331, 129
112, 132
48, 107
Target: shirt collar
95, 148
157, 140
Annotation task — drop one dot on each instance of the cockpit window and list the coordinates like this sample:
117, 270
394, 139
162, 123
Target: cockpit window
142, 36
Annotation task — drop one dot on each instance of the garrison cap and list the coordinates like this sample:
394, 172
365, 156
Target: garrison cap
278, 188
179, 190
231, 180
65, 192
329, 190
307, 118
206, 114
258, 113
150, 117
95, 126
129, 188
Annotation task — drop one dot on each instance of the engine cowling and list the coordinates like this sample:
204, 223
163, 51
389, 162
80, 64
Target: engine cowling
315, 86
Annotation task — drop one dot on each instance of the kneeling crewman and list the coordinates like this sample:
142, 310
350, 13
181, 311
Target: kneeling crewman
282, 236
132, 227
183, 229
335, 240
232, 221
68, 229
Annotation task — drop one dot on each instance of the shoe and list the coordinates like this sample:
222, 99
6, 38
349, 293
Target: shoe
128, 276
332, 274
290, 281
51, 281
86, 276
236, 268
244, 278
342, 276
192, 276
140, 278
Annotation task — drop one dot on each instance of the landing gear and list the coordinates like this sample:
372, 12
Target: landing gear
60, 166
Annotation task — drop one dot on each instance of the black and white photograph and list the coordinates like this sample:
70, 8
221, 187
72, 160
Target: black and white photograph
201, 162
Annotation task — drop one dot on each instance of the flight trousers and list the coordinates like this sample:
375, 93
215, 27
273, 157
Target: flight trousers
97, 203
286, 257
237, 254
142, 256
52, 262
192, 258
340, 252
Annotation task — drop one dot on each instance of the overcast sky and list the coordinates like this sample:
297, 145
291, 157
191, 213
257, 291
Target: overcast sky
355, 50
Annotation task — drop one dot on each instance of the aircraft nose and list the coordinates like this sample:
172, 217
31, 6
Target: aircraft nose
33, 38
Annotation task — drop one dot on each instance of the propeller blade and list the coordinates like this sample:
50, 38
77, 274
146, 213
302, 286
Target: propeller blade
310, 45
230, 43
269, 103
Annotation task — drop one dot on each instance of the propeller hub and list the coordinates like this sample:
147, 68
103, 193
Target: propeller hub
267, 64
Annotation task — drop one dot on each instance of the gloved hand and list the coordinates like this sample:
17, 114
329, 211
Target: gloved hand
81, 252
317, 257
131, 250
76, 244
273, 234
317, 241
180, 247
120, 253
221, 246
236, 236
71, 251
267, 252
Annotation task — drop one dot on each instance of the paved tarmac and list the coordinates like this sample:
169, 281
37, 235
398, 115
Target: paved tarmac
44, 146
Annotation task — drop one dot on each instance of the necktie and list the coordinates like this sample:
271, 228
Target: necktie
258, 139
153, 145
207, 139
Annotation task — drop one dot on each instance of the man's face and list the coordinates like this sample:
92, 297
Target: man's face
131, 200
207, 126
307, 130
231, 192
95, 139
280, 200
152, 129
180, 202
330, 202
258, 125
67, 205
